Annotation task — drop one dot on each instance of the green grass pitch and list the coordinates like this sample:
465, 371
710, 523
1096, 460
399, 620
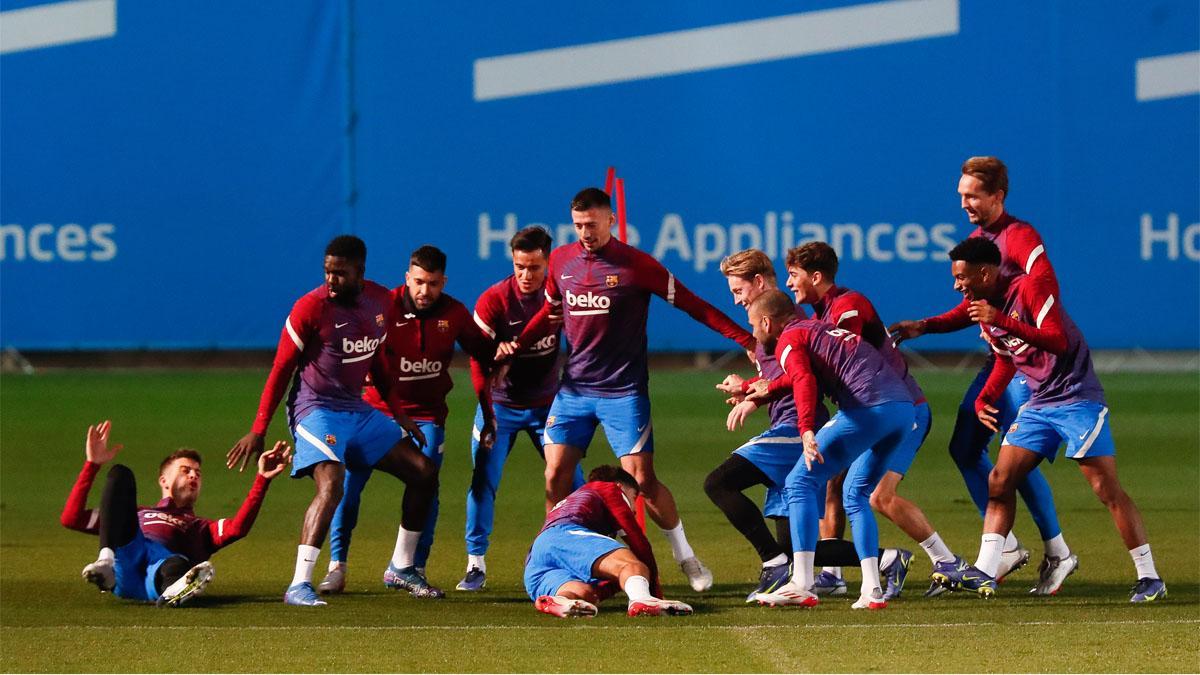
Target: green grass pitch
50, 620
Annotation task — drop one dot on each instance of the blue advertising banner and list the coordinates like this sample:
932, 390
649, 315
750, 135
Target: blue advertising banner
171, 182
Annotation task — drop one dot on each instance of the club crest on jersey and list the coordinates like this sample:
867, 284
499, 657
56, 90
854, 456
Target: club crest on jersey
550, 421
330, 439
1014, 315
379, 320
1013, 428
443, 326
611, 280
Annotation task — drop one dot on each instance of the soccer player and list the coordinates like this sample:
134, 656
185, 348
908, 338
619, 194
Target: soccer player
606, 286
574, 561
1027, 327
158, 553
983, 188
332, 338
767, 458
426, 324
812, 270
521, 397
875, 415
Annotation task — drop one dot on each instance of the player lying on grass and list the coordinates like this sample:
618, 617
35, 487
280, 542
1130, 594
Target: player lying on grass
982, 188
575, 562
875, 416
158, 553
767, 458
1026, 326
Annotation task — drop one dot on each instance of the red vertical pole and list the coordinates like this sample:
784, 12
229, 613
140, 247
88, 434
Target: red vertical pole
608, 180
622, 233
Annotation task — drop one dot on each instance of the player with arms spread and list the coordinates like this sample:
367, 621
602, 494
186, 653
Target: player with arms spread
426, 323
1027, 327
158, 553
812, 270
875, 415
331, 340
575, 560
983, 188
606, 286
522, 394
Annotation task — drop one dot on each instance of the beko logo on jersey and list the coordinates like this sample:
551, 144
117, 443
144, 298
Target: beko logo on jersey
420, 367
589, 303
543, 346
363, 345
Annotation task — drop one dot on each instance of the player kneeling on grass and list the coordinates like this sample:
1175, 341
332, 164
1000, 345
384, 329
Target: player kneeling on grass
158, 553
575, 561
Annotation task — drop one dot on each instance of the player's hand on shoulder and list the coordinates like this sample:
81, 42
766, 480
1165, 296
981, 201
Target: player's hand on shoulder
737, 416
97, 449
981, 311
906, 330
273, 462
250, 445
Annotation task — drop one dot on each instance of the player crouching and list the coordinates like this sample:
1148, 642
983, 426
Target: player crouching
575, 561
158, 553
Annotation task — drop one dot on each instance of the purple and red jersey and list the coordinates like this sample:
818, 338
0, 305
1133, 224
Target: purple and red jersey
1033, 333
418, 351
817, 356
852, 310
333, 345
179, 530
606, 298
1021, 252
502, 312
600, 506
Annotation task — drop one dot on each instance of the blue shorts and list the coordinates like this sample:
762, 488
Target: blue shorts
1082, 426
902, 457
774, 452
573, 419
135, 566
564, 553
774, 505
358, 439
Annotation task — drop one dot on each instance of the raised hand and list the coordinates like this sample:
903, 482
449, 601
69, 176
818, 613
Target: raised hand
97, 449
981, 312
273, 462
732, 384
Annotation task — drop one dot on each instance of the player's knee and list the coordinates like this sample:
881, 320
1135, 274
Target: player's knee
1001, 483
1108, 489
880, 501
120, 473
714, 486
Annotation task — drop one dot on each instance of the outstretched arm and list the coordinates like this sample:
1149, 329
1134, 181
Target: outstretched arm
655, 278
639, 545
225, 531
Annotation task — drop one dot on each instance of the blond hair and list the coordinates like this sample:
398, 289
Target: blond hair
746, 264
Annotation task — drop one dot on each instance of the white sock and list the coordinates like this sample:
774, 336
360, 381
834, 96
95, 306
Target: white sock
1143, 561
107, 554
870, 578
1057, 547
1011, 543
306, 561
637, 588
476, 561
835, 571
991, 546
937, 549
889, 557
334, 564
406, 548
802, 569
778, 560
680, 548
